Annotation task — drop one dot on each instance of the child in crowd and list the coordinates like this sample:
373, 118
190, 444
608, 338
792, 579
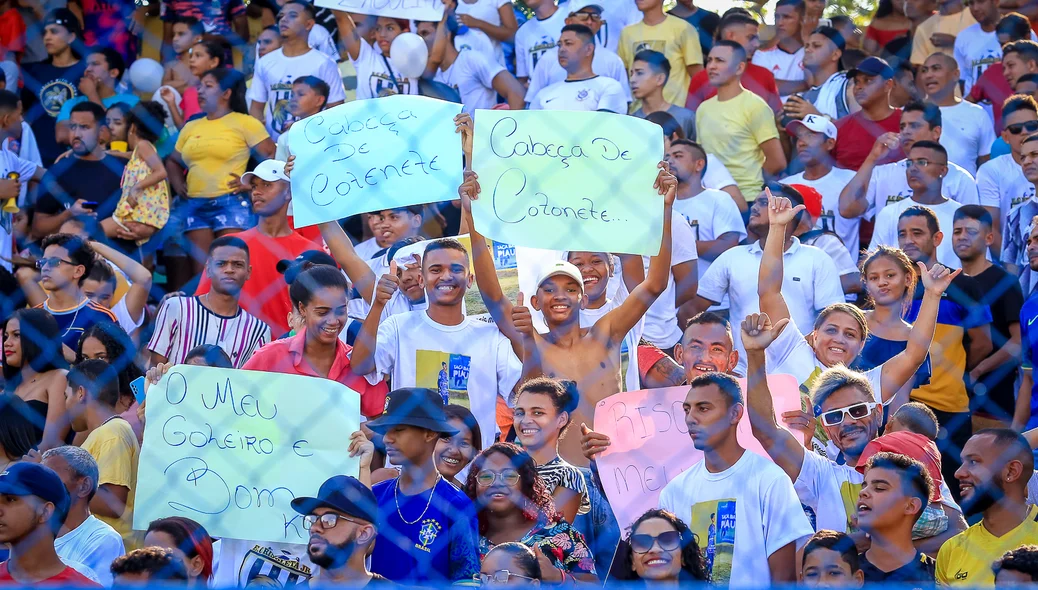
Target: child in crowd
115, 122
208, 53
831, 559
187, 31
143, 208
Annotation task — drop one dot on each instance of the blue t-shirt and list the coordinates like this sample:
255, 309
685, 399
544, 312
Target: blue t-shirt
1029, 337
66, 109
74, 322
437, 546
47, 89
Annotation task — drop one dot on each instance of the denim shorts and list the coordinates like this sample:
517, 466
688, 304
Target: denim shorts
233, 211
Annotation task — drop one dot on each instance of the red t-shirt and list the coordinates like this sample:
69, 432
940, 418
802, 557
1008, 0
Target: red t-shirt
756, 79
855, 136
992, 86
265, 294
286, 356
12, 32
67, 577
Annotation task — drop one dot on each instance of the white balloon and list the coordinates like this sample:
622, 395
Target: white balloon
146, 75
408, 55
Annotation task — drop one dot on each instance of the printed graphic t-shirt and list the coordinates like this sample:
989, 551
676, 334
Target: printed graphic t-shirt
47, 87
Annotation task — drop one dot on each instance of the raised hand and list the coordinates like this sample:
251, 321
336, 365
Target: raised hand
885, 145
781, 210
387, 285
361, 447
463, 125
591, 442
522, 319
290, 165
938, 277
549, 572
758, 333
666, 183
469, 190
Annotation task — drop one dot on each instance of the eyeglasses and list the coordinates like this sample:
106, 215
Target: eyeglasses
857, 412
499, 577
43, 263
586, 16
922, 163
1018, 128
328, 520
486, 478
668, 541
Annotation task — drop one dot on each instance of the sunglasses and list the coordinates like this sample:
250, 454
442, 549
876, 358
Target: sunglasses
486, 478
53, 261
856, 412
499, 577
1018, 128
328, 520
668, 541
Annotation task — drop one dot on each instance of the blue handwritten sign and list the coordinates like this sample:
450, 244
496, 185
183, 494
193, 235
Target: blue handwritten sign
376, 154
230, 449
562, 180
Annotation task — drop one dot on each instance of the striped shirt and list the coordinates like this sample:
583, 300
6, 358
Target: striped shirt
184, 323
73, 322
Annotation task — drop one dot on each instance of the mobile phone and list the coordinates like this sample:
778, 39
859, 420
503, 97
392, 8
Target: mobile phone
91, 205
137, 387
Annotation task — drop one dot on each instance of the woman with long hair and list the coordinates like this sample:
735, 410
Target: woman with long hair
17, 434
888, 23
542, 413
661, 548
513, 505
35, 370
108, 342
189, 541
376, 75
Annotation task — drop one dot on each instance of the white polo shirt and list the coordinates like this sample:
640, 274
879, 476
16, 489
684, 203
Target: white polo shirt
967, 134
889, 184
710, 214
810, 282
830, 186
594, 94
885, 232
1001, 183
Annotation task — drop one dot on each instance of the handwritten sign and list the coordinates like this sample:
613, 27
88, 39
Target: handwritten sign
230, 449
650, 442
370, 155
568, 180
419, 10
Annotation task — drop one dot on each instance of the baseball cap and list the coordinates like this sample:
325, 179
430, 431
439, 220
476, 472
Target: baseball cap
269, 170
910, 444
563, 268
812, 199
342, 493
834, 35
413, 406
65, 18
33, 479
816, 123
872, 66
309, 258
578, 6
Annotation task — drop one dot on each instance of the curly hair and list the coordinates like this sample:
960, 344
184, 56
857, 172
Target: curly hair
692, 565
120, 351
538, 501
1023, 559
899, 258
158, 563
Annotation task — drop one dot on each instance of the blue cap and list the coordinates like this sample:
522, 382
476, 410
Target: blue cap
872, 66
33, 479
342, 493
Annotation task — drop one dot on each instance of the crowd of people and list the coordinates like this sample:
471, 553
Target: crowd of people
852, 208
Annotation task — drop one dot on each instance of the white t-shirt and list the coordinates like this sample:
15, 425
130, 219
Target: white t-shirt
710, 214
534, 38
616, 14
741, 516
94, 544
717, 175
321, 40
885, 232
412, 349
239, 564
272, 84
967, 134
810, 283
488, 11
889, 185
661, 321
835, 248
472, 75
783, 65
11, 165
829, 490
1001, 183
374, 78
589, 317
830, 186
975, 51
122, 316
548, 72
367, 249
593, 94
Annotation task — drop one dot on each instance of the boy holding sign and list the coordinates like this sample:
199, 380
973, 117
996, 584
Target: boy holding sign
591, 357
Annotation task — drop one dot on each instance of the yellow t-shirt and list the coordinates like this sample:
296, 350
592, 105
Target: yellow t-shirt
674, 38
966, 558
214, 150
114, 446
952, 24
733, 131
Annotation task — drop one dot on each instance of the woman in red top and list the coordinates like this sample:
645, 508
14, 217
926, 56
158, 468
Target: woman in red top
887, 24
320, 295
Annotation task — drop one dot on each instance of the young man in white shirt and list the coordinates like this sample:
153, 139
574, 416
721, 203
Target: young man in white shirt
815, 139
582, 90
741, 506
784, 59
537, 36
1001, 183
275, 73
977, 46
83, 537
650, 71
833, 95
966, 130
874, 187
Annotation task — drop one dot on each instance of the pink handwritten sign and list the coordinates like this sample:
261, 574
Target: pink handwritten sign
650, 442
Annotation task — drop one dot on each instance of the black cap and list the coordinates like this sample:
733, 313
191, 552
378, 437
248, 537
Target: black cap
833, 35
65, 18
33, 479
413, 406
872, 66
342, 493
292, 268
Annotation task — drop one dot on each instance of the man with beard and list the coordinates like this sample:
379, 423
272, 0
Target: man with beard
996, 466
342, 521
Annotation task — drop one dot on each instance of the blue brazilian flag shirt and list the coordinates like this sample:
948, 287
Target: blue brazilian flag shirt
420, 545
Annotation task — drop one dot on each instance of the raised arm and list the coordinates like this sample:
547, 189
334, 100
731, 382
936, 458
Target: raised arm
341, 247
898, 370
853, 198
351, 39
362, 360
781, 213
140, 278
757, 334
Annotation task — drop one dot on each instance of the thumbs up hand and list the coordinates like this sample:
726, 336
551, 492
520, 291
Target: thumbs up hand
387, 285
521, 318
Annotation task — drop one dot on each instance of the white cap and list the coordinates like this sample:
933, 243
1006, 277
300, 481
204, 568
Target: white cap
269, 170
564, 268
816, 123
